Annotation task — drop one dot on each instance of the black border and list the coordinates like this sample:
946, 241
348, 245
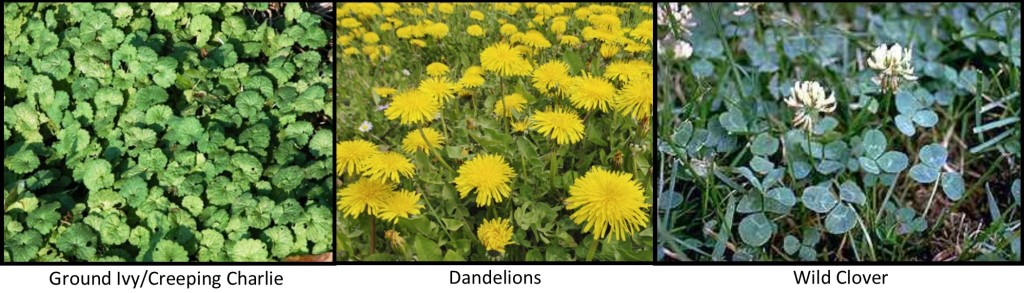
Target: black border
656, 263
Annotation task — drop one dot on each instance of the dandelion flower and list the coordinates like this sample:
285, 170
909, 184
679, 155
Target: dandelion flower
437, 30
475, 30
508, 29
439, 88
509, 104
505, 60
495, 234
571, 41
476, 14
644, 31
489, 175
401, 204
437, 69
413, 141
387, 166
395, 240
418, 43
366, 126
520, 126
809, 99
635, 99
591, 92
550, 75
535, 39
558, 27
611, 203
470, 81
564, 126
351, 153
363, 195
371, 38
625, 70
384, 92
412, 107
893, 64
608, 50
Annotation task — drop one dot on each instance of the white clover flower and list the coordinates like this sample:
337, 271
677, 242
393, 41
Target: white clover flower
683, 50
745, 7
808, 98
366, 126
681, 14
893, 64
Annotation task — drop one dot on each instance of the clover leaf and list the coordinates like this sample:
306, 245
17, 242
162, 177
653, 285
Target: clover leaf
914, 109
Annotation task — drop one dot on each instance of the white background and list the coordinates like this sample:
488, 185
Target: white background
564, 278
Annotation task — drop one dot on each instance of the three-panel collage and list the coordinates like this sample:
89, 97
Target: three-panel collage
631, 133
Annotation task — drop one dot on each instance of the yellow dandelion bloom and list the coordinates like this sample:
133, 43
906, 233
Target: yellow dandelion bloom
508, 29
495, 234
371, 38
489, 175
471, 81
558, 27
474, 70
475, 30
624, 70
476, 14
550, 75
351, 153
401, 204
413, 140
384, 91
564, 126
437, 69
351, 51
350, 23
571, 41
610, 202
508, 105
446, 8
591, 92
608, 50
438, 88
387, 166
503, 59
437, 30
520, 126
418, 43
412, 107
363, 195
635, 99
644, 31
535, 39
344, 40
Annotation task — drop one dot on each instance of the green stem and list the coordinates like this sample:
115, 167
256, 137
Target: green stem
932, 197
593, 249
373, 233
867, 236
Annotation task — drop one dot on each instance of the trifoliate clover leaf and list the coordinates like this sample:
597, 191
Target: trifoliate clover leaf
23, 162
841, 219
790, 244
79, 241
893, 162
248, 250
932, 158
200, 26
953, 185
819, 199
756, 229
783, 195
169, 251
874, 143
851, 192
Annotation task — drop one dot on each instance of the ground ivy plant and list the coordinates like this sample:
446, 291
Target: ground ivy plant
165, 132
